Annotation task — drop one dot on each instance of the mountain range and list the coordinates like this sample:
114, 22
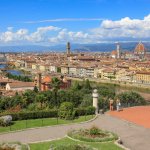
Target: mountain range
100, 47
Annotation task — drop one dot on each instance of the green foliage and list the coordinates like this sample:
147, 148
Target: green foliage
20, 78
103, 103
32, 106
58, 69
92, 135
11, 102
86, 84
71, 147
87, 100
81, 111
2, 122
41, 99
90, 110
35, 89
106, 91
76, 86
94, 130
55, 84
31, 114
13, 146
131, 98
29, 97
66, 111
70, 114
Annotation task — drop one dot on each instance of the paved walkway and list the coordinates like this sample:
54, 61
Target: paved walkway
133, 136
139, 115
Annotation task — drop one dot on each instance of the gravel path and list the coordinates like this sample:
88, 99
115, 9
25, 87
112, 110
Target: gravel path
133, 136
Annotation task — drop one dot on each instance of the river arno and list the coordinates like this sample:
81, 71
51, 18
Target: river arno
13, 72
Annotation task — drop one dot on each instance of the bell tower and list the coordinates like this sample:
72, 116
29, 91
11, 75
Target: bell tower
118, 50
68, 48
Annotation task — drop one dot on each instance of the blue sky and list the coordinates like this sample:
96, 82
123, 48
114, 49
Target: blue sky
53, 22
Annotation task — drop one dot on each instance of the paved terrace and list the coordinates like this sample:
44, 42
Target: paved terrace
134, 137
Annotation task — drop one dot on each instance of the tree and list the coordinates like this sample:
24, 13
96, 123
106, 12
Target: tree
67, 111
41, 99
87, 100
86, 84
106, 92
35, 89
131, 98
29, 97
76, 86
55, 86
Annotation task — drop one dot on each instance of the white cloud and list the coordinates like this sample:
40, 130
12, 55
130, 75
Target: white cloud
124, 28
109, 30
65, 20
10, 28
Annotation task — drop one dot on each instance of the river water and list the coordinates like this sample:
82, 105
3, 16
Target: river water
13, 72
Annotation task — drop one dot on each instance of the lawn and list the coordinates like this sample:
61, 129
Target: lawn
99, 146
24, 124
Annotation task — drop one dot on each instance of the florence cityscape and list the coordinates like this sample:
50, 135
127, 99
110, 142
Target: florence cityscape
74, 75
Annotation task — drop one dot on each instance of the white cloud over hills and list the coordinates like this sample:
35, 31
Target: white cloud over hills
109, 30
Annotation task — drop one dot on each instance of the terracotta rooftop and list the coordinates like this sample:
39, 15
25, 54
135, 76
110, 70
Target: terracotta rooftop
21, 84
46, 79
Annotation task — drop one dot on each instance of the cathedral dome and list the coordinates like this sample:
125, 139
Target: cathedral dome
140, 48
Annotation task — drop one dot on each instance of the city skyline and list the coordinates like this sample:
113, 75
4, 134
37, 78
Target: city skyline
49, 22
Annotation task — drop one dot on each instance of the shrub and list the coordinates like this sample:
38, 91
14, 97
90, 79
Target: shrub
5, 120
75, 112
90, 110
72, 147
66, 111
81, 111
32, 115
13, 146
131, 98
94, 131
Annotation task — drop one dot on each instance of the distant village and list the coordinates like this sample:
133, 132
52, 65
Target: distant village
118, 66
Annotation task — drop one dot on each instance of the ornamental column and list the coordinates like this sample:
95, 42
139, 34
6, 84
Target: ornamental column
95, 100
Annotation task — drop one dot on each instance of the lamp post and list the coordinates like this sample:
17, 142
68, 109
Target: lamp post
95, 100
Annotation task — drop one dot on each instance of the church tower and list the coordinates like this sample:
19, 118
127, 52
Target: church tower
118, 50
68, 49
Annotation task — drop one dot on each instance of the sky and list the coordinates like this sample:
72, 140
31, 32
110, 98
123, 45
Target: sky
52, 22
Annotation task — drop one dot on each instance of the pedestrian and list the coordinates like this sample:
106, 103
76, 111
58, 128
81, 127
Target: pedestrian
111, 104
118, 104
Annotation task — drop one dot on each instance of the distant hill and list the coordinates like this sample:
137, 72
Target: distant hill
101, 47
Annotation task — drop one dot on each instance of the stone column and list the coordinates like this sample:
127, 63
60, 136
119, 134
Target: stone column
95, 100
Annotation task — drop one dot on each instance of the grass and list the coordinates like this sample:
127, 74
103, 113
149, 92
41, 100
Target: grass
25, 124
64, 141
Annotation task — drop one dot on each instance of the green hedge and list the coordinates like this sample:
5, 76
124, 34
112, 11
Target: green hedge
32, 115
46, 113
81, 111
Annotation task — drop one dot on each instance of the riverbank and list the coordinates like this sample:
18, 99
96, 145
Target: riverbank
121, 87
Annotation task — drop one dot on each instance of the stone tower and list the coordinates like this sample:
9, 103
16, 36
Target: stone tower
118, 51
95, 100
68, 48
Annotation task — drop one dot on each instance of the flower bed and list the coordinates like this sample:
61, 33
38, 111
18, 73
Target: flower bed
72, 147
93, 134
